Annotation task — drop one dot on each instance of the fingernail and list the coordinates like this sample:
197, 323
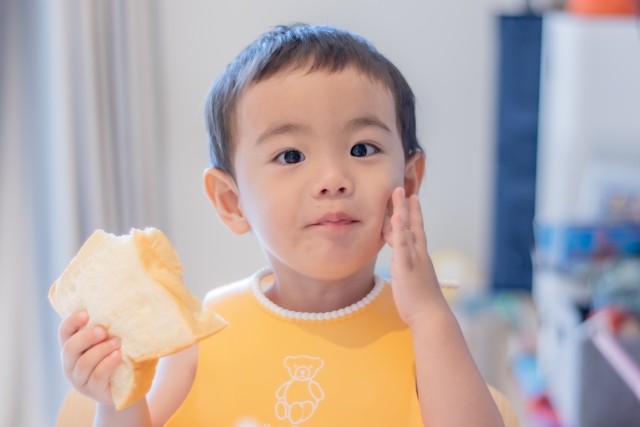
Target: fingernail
83, 315
114, 342
115, 354
98, 332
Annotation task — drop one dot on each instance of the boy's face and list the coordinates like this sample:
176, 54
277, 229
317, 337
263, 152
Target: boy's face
317, 158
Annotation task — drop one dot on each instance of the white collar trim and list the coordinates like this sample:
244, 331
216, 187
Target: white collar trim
298, 315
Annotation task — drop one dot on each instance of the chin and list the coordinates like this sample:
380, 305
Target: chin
335, 266
329, 273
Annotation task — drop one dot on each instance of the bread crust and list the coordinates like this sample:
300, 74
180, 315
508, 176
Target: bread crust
97, 239
143, 374
163, 265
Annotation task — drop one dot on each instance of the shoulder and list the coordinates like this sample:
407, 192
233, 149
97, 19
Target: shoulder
509, 417
227, 294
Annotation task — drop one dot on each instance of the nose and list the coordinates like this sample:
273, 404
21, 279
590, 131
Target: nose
333, 180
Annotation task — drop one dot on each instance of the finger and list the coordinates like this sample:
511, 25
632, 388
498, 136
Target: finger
401, 253
400, 205
386, 222
411, 241
392, 208
99, 379
387, 231
80, 342
71, 324
91, 358
416, 222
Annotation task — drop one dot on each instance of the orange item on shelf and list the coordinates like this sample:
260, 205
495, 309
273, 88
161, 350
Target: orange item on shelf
601, 7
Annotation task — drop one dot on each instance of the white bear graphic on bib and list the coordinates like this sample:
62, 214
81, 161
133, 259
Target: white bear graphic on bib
299, 397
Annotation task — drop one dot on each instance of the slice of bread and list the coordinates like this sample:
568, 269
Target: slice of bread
132, 285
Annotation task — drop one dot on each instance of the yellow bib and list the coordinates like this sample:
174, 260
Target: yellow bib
272, 368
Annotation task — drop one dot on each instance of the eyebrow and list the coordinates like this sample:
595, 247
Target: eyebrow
295, 128
366, 121
282, 129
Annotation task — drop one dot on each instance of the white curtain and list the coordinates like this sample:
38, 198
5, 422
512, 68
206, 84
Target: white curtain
80, 148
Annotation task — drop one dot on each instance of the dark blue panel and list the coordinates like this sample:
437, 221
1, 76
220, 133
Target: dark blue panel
520, 41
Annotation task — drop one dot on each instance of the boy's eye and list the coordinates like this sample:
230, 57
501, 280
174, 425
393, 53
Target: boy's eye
363, 150
290, 157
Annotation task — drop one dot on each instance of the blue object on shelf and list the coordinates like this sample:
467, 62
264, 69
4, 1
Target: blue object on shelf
560, 246
520, 43
525, 371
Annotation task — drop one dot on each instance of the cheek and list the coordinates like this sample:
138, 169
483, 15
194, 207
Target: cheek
261, 211
380, 194
271, 211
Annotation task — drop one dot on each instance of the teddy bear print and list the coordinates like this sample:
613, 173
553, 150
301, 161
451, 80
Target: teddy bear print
299, 397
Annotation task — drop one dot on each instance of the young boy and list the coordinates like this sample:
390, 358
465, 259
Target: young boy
313, 148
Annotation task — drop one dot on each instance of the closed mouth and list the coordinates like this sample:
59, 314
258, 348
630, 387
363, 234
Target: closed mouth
335, 219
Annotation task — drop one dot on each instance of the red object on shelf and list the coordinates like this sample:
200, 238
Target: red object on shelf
541, 410
601, 7
611, 317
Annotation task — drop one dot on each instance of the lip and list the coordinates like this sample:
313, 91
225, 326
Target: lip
335, 219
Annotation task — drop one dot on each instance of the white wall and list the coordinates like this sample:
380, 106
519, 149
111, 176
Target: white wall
589, 128
445, 49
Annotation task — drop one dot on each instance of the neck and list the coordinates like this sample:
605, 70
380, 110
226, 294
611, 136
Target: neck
295, 291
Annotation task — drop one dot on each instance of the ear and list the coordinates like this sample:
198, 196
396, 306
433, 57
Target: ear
413, 173
223, 193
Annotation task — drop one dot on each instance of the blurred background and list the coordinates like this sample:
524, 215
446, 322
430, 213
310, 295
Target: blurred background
529, 113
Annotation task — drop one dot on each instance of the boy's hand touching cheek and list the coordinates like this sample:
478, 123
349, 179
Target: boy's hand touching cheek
415, 285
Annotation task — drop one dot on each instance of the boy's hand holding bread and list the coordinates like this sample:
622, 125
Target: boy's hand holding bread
125, 306
89, 356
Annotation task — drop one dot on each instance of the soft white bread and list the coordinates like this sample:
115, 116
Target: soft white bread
132, 285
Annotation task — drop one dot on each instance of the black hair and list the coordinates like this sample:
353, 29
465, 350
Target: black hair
288, 47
